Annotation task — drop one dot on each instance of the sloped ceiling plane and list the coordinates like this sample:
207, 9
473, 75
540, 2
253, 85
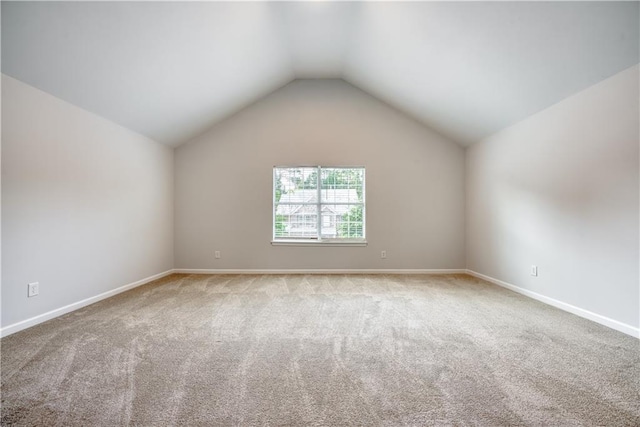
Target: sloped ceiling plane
171, 70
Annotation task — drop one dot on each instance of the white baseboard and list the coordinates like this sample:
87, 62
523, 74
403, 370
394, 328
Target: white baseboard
613, 324
24, 324
320, 271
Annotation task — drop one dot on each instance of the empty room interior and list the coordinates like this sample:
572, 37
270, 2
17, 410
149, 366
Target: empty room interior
320, 213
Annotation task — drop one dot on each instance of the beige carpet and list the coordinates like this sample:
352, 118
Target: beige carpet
195, 350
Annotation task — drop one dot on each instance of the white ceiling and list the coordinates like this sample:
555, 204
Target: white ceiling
171, 70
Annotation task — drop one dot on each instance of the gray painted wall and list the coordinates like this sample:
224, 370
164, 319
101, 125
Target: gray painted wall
561, 190
87, 206
415, 183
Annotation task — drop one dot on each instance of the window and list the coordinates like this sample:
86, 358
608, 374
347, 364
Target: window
319, 204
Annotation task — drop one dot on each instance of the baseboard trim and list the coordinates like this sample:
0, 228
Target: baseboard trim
603, 320
320, 271
24, 324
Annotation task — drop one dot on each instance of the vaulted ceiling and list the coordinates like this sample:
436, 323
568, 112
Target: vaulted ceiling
172, 70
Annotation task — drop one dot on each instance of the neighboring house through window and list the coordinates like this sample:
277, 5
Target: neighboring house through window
321, 204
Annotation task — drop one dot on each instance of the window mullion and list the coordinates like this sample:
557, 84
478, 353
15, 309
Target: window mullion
318, 207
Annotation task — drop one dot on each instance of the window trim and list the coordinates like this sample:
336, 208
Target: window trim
318, 241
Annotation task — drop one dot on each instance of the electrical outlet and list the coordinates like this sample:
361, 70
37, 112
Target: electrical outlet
383, 254
33, 289
217, 254
534, 270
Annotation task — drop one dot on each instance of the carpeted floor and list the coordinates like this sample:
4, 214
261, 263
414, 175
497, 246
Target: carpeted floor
203, 350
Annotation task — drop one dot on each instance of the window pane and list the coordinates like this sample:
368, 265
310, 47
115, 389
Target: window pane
342, 221
342, 185
296, 185
296, 221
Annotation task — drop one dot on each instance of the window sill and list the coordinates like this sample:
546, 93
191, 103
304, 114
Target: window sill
327, 242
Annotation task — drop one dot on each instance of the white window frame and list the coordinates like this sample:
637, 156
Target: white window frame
306, 241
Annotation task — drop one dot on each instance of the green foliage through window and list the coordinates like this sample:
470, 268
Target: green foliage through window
351, 225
